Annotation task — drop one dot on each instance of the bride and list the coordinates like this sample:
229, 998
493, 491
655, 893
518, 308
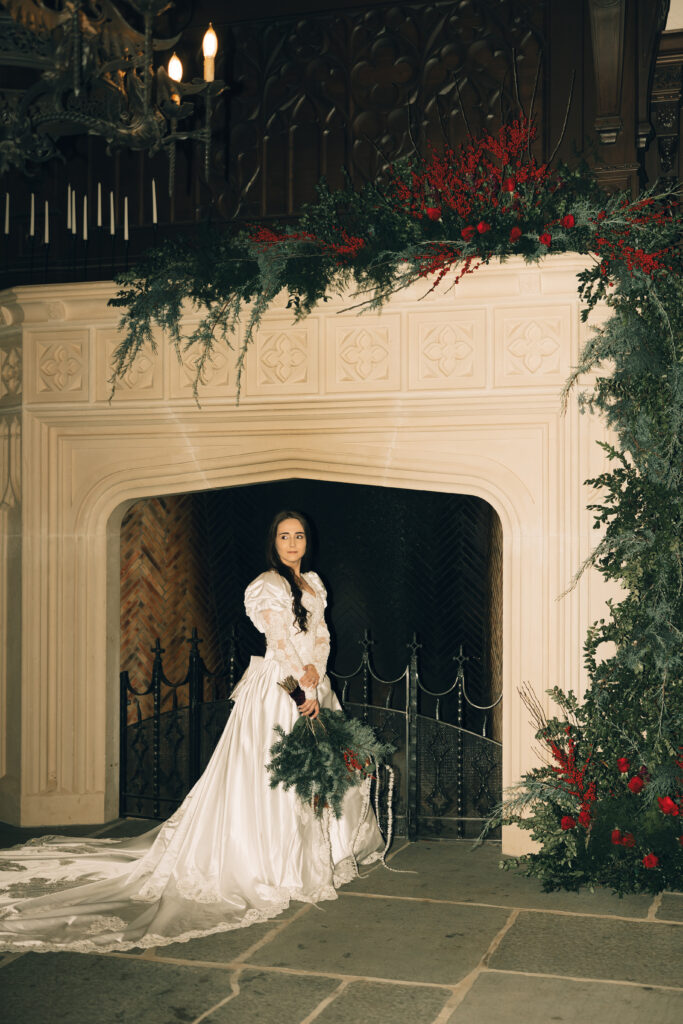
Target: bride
236, 851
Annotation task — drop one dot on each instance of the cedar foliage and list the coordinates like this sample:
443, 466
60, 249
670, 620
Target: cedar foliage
323, 758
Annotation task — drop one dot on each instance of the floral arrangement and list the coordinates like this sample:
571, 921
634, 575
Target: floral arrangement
323, 758
432, 219
601, 818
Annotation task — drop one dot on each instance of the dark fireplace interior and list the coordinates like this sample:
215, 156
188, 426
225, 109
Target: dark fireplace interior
395, 562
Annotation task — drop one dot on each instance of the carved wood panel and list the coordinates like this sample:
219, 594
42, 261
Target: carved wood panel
353, 90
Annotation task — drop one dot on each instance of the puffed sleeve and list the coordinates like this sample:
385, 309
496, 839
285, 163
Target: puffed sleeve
321, 651
268, 603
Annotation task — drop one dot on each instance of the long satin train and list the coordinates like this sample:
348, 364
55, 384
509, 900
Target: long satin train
235, 852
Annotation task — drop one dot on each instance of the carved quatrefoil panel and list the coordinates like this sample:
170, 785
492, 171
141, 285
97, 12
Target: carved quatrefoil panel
448, 355
363, 355
10, 374
533, 347
217, 377
283, 360
57, 367
143, 381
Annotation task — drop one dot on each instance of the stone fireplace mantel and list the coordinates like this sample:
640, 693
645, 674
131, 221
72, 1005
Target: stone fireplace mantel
458, 391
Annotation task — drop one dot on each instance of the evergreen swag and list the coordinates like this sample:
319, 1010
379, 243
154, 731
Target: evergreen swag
323, 757
607, 807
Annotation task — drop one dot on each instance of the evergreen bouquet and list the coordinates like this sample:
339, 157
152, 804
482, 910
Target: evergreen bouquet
323, 758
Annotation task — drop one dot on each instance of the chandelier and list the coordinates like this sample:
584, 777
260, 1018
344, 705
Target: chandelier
73, 67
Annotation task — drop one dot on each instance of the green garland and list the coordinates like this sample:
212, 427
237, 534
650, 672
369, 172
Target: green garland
323, 758
436, 218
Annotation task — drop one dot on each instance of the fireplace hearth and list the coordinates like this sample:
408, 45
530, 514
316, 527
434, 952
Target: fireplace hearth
456, 393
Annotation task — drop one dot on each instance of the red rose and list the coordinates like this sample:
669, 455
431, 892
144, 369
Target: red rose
616, 837
585, 818
667, 805
628, 839
568, 220
515, 234
508, 185
468, 233
623, 764
602, 215
567, 823
483, 227
650, 860
635, 784
545, 239
433, 212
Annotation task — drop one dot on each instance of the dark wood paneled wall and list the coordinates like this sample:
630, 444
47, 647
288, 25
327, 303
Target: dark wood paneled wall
319, 88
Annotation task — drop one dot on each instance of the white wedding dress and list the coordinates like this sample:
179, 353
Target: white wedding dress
236, 851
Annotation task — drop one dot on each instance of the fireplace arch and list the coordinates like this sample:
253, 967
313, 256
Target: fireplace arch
486, 422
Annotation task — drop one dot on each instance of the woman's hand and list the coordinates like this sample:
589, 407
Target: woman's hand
310, 679
310, 708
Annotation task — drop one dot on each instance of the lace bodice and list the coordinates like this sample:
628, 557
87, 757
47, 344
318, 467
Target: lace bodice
268, 601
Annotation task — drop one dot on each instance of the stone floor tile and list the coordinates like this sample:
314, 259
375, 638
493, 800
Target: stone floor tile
650, 953
394, 939
455, 871
267, 997
385, 1004
671, 908
79, 989
515, 999
226, 946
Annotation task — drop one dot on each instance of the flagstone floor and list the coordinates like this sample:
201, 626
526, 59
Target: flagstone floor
456, 942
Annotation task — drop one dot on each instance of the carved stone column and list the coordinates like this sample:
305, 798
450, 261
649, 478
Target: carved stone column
10, 560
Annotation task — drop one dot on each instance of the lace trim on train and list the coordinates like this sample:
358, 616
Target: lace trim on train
101, 925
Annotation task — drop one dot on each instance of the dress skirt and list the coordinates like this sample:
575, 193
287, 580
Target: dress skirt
235, 852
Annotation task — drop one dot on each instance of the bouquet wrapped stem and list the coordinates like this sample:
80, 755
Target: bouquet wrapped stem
323, 758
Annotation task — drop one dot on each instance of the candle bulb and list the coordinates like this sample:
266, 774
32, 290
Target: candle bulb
68, 207
112, 227
46, 236
175, 68
32, 225
85, 218
99, 204
7, 213
125, 219
154, 202
210, 48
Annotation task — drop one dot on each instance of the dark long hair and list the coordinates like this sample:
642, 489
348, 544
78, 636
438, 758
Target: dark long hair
274, 561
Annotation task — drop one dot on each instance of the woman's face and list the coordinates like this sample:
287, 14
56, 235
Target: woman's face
290, 542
